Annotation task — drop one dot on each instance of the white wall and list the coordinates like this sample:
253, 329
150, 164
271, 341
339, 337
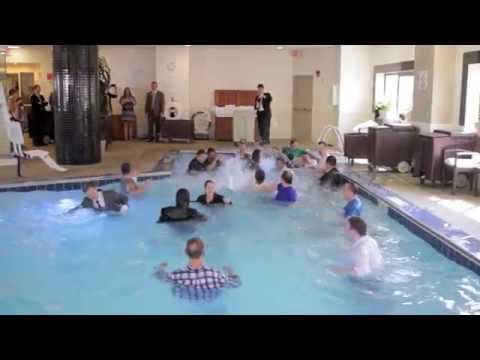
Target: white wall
174, 83
390, 54
356, 86
213, 68
327, 61
132, 66
443, 83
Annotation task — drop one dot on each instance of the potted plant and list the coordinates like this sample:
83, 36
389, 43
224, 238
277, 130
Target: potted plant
380, 112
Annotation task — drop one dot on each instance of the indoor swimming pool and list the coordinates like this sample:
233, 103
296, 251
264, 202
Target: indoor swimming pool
85, 263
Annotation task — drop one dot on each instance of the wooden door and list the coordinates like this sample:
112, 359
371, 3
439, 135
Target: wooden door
302, 107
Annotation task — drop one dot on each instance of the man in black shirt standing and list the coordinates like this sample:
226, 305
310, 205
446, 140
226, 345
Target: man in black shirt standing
264, 113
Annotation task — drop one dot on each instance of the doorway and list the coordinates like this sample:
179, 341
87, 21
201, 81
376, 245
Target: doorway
472, 101
302, 107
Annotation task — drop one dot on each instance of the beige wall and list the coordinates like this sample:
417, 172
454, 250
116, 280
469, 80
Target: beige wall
214, 68
37, 58
422, 99
356, 86
327, 61
390, 54
132, 66
443, 83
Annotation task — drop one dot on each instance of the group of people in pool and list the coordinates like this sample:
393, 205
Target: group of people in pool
365, 257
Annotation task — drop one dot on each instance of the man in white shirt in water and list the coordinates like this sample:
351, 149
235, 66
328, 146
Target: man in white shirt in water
364, 255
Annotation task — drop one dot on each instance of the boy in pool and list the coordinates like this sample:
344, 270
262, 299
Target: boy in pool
129, 184
196, 275
260, 184
285, 191
364, 255
354, 205
331, 177
198, 163
213, 160
211, 197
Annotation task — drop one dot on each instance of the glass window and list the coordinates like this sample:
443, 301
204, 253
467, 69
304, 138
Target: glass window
396, 90
405, 94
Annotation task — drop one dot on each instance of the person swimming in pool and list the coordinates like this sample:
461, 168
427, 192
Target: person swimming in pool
332, 177
285, 191
211, 197
129, 183
254, 162
213, 161
260, 185
100, 200
364, 256
197, 278
181, 211
354, 205
198, 163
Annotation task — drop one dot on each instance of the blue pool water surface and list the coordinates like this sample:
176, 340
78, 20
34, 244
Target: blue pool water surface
86, 263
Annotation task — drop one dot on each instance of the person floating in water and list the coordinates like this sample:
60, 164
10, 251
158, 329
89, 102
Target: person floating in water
100, 200
285, 191
298, 156
323, 154
364, 256
198, 162
331, 177
196, 278
181, 211
213, 160
129, 183
211, 197
354, 205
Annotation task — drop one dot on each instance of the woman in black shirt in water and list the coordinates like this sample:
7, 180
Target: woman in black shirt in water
182, 211
211, 197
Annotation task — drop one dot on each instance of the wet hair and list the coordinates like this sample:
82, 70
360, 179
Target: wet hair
260, 86
208, 182
200, 152
256, 155
352, 187
126, 168
322, 143
287, 176
182, 198
195, 248
293, 141
259, 176
211, 150
331, 160
358, 225
89, 185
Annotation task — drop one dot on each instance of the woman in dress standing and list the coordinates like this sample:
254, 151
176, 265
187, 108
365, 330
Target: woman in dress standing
128, 102
38, 116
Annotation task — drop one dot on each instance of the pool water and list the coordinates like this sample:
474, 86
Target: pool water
85, 263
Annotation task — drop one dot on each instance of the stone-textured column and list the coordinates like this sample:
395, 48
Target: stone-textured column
76, 104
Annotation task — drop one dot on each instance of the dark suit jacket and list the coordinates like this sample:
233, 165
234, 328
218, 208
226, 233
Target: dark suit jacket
113, 201
267, 100
158, 107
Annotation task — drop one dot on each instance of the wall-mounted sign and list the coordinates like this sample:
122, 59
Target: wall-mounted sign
422, 80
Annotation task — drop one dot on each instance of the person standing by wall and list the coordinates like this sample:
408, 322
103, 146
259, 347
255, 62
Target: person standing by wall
264, 113
128, 102
38, 116
154, 110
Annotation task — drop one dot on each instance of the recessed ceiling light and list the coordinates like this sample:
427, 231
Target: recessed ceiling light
13, 47
187, 45
279, 47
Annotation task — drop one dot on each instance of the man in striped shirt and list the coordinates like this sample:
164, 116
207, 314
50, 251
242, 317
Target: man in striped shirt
197, 276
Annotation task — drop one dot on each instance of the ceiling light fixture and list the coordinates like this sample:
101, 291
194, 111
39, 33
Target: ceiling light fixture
187, 45
279, 47
13, 47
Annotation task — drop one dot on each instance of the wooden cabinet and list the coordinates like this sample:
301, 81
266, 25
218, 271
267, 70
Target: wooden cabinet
224, 125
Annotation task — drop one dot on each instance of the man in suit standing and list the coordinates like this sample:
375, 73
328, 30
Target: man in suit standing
154, 110
264, 113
